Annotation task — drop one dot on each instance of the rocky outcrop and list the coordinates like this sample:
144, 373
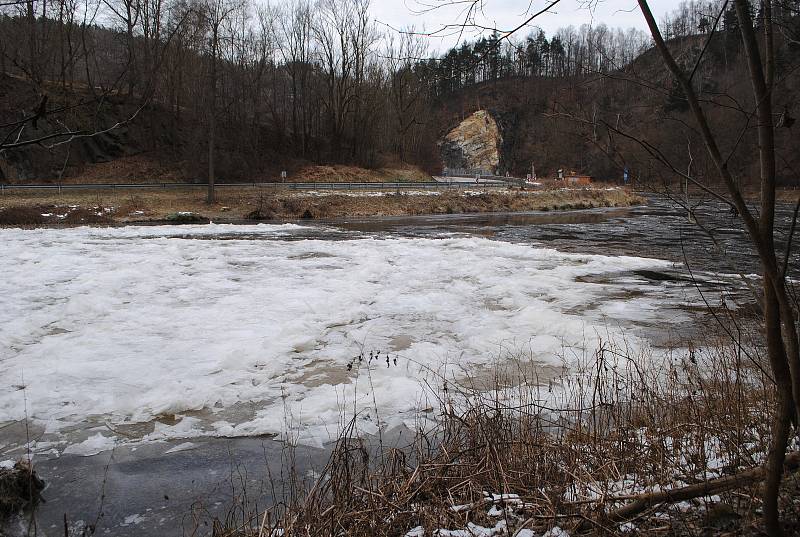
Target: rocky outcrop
473, 145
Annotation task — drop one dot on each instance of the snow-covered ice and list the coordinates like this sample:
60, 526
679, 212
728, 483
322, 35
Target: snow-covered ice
366, 193
133, 520
181, 447
255, 332
92, 445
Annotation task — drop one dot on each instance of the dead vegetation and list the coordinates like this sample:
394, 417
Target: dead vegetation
141, 168
622, 444
20, 488
259, 204
336, 205
39, 215
338, 173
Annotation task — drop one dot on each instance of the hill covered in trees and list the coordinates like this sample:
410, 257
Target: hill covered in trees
601, 101
243, 91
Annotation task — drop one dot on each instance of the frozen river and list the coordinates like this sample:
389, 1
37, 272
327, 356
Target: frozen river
163, 338
249, 330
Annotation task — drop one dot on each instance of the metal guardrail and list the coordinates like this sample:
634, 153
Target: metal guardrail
466, 172
427, 185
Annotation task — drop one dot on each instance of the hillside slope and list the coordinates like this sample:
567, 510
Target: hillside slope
591, 123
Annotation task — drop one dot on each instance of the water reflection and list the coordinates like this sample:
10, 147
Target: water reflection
659, 230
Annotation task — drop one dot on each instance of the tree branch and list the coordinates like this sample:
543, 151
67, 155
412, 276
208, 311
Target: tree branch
643, 502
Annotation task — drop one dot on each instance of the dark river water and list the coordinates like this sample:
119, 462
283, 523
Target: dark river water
146, 491
713, 242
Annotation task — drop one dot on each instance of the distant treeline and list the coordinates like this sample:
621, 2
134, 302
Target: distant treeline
585, 50
309, 80
571, 52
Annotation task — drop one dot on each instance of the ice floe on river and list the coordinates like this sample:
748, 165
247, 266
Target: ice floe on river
257, 334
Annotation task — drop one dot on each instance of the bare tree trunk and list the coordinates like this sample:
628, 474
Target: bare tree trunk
782, 419
761, 78
212, 119
761, 75
32, 48
210, 196
779, 315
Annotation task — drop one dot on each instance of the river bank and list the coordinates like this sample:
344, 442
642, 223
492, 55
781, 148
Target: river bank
258, 204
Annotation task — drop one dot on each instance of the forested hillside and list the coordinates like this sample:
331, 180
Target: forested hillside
244, 90
603, 111
265, 86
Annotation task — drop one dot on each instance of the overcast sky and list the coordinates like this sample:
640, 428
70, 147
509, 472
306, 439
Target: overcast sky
508, 14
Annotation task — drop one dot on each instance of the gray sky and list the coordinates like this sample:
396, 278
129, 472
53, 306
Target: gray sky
508, 14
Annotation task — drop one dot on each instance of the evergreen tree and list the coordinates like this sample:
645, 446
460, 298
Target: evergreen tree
493, 55
557, 55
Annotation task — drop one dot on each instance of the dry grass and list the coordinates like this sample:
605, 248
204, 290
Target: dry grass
565, 454
788, 195
141, 168
255, 203
39, 215
146, 168
451, 202
338, 173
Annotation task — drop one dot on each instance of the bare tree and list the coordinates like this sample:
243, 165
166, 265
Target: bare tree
294, 26
780, 320
215, 13
406, 89
127, 13
344, 34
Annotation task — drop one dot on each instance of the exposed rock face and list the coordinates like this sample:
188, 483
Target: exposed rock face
473, 145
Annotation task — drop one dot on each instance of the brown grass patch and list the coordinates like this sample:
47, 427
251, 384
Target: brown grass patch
335, 205
352, 174
258, 203
38, 215
131, 169
504, 460
21, 216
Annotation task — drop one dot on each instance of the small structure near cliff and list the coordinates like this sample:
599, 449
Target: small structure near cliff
473, 147
574, 178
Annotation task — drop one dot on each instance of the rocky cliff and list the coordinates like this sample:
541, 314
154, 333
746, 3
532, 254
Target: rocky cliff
473, 145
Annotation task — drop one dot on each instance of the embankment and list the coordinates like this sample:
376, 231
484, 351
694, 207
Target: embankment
253, 203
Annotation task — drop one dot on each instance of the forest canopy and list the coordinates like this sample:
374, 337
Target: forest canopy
267, 86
